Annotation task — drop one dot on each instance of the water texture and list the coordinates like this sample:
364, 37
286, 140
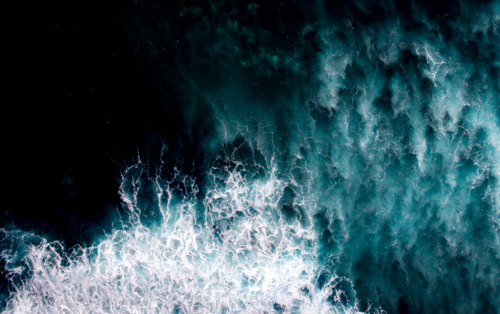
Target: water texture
329, 157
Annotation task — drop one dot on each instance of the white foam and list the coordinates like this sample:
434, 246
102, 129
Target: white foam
249, 263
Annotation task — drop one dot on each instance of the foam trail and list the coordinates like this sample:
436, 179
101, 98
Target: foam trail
240, 259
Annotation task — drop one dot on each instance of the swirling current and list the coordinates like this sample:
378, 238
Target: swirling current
295, 157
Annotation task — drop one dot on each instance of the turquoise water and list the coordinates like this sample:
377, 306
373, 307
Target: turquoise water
342, 160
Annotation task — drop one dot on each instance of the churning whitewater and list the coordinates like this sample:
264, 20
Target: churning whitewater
352, 166
243, 257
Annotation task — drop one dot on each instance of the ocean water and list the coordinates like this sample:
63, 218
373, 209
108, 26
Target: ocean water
326, 157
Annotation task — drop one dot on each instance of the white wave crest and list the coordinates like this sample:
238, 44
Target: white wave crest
241, 258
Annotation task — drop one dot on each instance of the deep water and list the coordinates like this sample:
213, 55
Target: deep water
261, 157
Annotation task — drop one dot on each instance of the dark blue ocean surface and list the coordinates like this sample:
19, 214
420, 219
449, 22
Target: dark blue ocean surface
262, 157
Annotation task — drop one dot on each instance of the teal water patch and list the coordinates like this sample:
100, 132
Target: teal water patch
344, 159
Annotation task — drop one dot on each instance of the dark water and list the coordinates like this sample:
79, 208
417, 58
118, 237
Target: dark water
264, 157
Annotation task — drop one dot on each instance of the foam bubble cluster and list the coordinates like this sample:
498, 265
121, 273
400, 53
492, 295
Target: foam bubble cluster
243, 258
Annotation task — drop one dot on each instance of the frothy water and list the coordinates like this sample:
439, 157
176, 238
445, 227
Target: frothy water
243, 258
361, 175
